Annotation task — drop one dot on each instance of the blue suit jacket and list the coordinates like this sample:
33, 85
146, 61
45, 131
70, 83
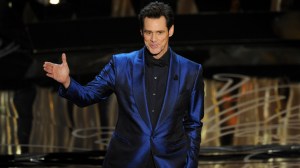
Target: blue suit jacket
175, 141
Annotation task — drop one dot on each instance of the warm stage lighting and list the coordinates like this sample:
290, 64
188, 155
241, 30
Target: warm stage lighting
54, 2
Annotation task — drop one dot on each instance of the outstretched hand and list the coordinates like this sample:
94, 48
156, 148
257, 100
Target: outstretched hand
59, 72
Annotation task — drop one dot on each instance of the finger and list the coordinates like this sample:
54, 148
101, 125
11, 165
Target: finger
49, 75
48, 69
48, 64
64, 58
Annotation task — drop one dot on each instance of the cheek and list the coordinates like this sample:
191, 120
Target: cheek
164, 40
146, 38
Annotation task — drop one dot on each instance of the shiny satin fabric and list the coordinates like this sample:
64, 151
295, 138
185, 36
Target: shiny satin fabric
174, 141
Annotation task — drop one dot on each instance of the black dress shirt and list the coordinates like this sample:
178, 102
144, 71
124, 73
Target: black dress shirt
156, 81
156, 84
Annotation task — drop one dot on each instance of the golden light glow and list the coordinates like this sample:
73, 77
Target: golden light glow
54, 2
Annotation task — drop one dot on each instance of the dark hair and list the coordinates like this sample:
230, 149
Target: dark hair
156, 10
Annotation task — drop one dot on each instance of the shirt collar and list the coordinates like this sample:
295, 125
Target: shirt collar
162, 61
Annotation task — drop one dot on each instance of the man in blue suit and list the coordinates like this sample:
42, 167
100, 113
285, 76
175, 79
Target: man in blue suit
160, 98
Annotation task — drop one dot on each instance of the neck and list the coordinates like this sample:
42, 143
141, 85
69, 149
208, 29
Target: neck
158, 56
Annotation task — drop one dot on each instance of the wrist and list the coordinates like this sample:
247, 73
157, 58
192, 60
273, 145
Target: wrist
67, 83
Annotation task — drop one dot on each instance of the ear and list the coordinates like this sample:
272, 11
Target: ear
171, 31
141, 31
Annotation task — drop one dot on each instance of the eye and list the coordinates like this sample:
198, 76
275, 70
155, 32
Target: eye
147, 32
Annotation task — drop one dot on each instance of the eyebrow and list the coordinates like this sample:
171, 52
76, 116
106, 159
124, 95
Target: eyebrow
154, 31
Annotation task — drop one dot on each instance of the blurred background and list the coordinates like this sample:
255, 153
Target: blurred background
250, 51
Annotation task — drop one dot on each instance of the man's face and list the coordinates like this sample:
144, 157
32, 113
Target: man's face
156, 35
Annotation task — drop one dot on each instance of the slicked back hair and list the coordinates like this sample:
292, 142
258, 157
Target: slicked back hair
156, 10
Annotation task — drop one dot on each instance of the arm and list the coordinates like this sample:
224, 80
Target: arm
193, 123
98, 89
95, 91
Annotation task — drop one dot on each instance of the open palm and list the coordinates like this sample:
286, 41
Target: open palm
59, 72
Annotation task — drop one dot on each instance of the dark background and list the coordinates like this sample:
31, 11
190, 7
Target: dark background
222, 35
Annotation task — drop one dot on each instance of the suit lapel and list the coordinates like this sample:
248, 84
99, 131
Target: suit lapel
171, 90
140, 87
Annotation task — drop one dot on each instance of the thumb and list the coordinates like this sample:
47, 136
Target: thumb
64, 58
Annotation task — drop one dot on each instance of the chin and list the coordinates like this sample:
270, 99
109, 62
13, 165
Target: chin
155, 52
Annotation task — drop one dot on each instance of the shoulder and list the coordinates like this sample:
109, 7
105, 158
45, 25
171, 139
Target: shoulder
187, 62
123, 60
125, 56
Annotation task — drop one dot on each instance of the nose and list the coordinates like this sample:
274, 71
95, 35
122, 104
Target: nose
153, 37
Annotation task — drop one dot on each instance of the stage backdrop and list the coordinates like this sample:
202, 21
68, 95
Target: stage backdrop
240, 110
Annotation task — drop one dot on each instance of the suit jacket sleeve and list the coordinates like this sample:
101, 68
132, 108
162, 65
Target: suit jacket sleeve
95, 91
193, 120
